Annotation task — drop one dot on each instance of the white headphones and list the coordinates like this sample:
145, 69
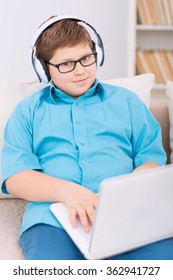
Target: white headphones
39, 65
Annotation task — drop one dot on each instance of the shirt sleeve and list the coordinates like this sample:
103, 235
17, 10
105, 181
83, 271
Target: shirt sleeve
17, 152
146, 135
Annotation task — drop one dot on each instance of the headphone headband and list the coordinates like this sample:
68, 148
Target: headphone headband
40, 67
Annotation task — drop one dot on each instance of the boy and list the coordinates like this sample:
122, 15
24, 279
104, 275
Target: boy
61, 142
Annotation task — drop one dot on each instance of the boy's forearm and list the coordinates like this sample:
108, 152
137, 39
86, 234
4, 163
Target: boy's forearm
39, 187
36, 186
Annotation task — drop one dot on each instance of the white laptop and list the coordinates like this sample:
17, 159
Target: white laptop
133, 210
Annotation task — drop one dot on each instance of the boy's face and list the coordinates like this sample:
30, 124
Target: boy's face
78, 81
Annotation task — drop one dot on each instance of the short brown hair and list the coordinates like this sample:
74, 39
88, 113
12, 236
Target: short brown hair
61, 34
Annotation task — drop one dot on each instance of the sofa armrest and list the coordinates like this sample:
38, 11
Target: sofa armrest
159, 109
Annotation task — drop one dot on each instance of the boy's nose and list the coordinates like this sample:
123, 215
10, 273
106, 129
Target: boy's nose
79, 69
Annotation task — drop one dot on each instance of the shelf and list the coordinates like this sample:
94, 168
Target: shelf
146, 27
148, 38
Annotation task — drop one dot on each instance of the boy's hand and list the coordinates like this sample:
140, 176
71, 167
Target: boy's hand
81, 203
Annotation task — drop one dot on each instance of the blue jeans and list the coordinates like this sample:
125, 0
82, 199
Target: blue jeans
45, 242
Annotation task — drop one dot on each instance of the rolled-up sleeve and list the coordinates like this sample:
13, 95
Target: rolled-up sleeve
17, 152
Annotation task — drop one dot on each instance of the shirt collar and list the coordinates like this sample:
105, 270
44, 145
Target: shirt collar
59, 94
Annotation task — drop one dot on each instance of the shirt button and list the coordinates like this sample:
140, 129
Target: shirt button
85, 162
87, 186
77, 103
79, 122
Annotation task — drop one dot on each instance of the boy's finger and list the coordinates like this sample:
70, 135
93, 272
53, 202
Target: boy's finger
91, 214
84, 220
73, 217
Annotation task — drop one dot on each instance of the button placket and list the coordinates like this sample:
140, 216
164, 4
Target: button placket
80, 137
78, 124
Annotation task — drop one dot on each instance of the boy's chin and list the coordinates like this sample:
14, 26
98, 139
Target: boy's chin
77, 89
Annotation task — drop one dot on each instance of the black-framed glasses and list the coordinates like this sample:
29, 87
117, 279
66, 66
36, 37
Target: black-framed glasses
69, 66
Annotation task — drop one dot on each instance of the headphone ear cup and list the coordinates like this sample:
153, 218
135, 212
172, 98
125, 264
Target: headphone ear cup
46, 71
40, 69
100, 55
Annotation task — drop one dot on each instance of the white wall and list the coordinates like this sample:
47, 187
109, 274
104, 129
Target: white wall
19, 19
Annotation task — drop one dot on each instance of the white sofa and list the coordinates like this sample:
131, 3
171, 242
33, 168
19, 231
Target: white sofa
11, 209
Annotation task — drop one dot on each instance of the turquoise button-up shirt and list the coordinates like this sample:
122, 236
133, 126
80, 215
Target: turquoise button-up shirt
106, 132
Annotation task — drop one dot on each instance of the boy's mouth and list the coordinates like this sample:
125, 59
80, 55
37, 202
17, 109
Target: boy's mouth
81, 80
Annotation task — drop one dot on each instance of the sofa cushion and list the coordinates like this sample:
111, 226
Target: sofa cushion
140, 84
12, 93
169, 93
